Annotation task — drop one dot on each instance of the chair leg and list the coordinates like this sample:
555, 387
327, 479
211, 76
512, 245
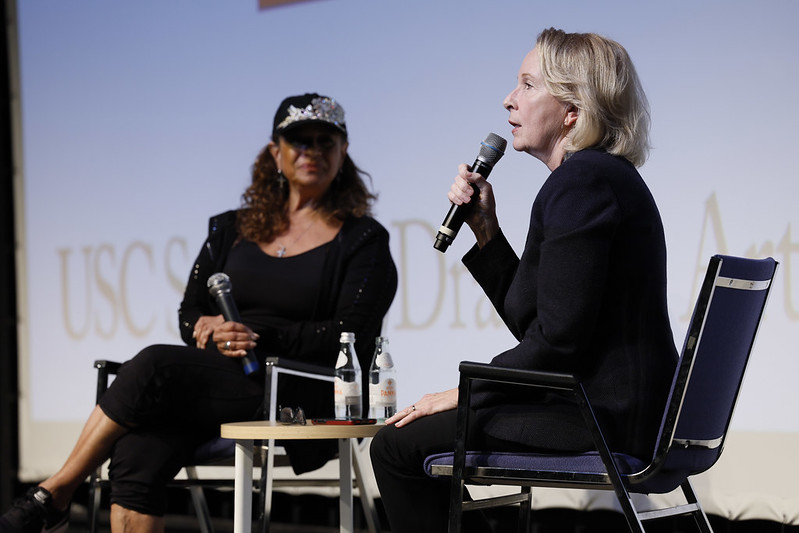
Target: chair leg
95, 494
699, 515
367, 498
627, 507
200, 503
459, 459
525, 510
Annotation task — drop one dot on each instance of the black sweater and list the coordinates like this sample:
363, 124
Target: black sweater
588, 296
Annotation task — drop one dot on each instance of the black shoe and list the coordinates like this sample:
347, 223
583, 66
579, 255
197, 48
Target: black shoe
34, 513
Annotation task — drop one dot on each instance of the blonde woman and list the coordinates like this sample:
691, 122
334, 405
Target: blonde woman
587, 295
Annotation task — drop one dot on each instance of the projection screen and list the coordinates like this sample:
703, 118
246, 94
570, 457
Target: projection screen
141, 119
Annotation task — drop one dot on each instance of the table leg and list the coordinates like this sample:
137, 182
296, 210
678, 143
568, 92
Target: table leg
267, 478
242, 499
345, 475
360, 453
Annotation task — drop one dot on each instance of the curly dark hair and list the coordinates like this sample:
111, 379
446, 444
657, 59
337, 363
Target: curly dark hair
264, 205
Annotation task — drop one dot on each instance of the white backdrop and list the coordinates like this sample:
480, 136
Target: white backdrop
141, 119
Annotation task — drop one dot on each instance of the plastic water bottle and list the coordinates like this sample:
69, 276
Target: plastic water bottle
347, 379
382, 382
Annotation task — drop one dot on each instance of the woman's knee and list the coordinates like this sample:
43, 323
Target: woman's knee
138, 497
149, 358
393, 452
382, 443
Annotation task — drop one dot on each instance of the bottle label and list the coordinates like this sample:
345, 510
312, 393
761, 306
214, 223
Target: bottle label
383, 394
346, 392
342, 359
383, 360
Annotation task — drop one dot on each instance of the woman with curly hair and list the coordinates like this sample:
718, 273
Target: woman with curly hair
306, 261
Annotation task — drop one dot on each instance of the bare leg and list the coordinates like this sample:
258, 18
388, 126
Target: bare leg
91, 450
127, 521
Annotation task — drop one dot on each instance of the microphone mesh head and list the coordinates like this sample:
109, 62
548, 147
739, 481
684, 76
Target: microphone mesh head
218, 283
492, 149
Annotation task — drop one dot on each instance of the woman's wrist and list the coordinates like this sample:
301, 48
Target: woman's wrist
486, 231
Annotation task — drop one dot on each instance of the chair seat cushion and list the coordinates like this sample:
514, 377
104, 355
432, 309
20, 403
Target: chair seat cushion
565, 467
583, 463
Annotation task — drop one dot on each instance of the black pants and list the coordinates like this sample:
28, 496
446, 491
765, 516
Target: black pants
414, 501
171, 398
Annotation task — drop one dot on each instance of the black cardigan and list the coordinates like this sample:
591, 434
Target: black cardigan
358, 285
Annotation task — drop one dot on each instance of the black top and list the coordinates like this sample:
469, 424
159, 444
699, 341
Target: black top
272, 292
358, 283
588, 295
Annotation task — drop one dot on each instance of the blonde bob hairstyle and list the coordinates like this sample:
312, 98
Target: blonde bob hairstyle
596, 76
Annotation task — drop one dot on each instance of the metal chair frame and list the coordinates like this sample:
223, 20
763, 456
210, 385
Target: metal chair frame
609, 472
274, 367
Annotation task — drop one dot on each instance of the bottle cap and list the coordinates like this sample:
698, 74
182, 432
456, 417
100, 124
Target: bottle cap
347, 336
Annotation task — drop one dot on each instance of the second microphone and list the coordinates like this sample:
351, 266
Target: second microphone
219, 286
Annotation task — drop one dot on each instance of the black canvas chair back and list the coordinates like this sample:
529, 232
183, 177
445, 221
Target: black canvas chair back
699, 409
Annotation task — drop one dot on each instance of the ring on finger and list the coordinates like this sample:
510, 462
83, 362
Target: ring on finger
413, 408
227, 345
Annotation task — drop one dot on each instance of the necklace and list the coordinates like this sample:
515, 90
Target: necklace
281, 251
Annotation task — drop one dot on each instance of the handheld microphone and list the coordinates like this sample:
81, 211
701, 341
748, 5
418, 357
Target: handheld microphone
491, 150
219, 286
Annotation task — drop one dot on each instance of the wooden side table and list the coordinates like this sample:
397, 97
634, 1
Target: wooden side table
245, 433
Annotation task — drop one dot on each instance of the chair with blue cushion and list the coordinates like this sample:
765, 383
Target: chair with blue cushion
698, 411
220, 452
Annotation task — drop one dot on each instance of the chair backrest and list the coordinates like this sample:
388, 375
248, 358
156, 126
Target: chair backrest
712, 363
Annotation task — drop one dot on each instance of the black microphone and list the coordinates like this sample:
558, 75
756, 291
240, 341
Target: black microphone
491, 150
219, 286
